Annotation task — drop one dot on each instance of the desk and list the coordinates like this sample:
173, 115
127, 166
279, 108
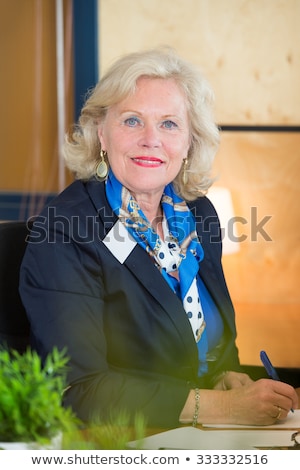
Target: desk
202, 437
190, 438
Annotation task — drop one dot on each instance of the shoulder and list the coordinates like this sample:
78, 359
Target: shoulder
75, 199
72, 214
202, 207
205, 213
207, 220
69, 198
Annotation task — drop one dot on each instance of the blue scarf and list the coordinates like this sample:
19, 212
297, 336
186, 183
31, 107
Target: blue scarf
180, 251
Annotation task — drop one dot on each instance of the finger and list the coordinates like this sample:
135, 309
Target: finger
234, 380
287, 398
245, 379
278, 413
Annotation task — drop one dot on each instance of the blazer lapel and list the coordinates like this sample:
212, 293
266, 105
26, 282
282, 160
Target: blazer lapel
218, 290
143, 269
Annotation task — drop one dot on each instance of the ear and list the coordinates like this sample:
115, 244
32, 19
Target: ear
101, 138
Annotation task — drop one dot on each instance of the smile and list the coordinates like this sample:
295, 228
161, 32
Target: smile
147, 161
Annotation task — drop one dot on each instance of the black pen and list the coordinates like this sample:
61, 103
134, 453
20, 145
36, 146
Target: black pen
271, 371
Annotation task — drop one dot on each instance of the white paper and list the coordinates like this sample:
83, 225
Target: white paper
291, 422
192, 438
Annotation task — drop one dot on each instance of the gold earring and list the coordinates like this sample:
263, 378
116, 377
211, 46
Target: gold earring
184, 171
102, 168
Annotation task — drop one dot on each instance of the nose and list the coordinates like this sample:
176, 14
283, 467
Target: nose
150, 136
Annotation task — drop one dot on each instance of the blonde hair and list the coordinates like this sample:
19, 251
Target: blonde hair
82, 147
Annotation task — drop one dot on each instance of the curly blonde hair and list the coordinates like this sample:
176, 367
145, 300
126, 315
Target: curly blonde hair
82, 146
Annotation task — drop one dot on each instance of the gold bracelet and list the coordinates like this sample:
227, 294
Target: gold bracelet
197, 402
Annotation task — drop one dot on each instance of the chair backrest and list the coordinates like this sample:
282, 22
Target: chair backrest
14, 325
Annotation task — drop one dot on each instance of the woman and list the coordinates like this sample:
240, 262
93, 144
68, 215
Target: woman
124, 267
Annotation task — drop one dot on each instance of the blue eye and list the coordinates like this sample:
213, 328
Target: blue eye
169, 124
132, 121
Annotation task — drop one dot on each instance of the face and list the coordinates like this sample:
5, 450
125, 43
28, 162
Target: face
147, 136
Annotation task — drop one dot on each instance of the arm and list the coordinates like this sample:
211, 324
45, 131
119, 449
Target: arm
255, 403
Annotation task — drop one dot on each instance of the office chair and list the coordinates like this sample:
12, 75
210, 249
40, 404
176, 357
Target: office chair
14, 325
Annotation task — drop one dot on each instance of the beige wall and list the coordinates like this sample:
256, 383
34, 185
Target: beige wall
249, 51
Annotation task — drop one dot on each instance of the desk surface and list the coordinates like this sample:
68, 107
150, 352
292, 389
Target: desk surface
186, 437
220, 437
211, 439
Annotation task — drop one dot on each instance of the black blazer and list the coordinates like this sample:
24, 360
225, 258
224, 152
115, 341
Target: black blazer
129, 340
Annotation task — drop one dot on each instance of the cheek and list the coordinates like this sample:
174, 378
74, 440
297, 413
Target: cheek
115, 139
106, 134
181, 149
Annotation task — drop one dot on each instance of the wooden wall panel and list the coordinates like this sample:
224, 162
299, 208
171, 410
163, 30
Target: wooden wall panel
30, 115
270, 327
28, 121
262, 172
248, 49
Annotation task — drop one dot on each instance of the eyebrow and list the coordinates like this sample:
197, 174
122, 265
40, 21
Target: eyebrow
140, 113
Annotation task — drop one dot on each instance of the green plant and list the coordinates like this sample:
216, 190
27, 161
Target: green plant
112, 434
31, 395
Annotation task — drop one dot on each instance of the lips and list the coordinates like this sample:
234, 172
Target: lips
147, 161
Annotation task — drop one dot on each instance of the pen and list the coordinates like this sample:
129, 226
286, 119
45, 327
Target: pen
268, 366
271, 371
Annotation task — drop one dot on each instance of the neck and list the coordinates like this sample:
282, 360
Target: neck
152, 209
150, 206
155, 217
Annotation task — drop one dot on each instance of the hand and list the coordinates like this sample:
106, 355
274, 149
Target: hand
262, 402
254, 403
229, 380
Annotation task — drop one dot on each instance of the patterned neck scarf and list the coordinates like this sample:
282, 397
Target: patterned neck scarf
180, 251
